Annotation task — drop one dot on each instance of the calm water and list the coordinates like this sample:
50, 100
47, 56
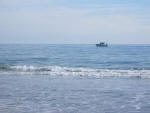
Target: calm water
74, 79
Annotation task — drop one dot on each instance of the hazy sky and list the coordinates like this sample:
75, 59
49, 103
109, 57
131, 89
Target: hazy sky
75, 21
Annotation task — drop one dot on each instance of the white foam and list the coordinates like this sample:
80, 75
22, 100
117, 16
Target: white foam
68, 71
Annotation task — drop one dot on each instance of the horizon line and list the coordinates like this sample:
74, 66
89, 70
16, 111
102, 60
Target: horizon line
72, 43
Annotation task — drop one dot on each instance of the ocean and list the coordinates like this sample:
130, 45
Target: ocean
74, 78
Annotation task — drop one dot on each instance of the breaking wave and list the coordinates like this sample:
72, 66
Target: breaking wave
68, 71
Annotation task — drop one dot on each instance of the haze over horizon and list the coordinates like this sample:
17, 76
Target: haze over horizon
75, 21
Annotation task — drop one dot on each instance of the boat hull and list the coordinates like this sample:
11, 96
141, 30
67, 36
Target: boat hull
99, 45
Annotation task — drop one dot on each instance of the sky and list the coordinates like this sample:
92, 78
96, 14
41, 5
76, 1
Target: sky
75, 21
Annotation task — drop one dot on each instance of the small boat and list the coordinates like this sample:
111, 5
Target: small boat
102, 44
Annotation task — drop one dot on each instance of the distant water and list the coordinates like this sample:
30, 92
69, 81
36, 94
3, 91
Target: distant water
74, 79
76, 60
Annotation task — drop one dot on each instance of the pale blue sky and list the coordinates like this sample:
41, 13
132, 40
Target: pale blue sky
75, 21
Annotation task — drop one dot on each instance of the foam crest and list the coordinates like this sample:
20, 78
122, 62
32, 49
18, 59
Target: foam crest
68, 71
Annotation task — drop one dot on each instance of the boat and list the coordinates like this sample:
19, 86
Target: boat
102, 44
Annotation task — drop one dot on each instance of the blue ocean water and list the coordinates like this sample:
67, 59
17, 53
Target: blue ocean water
74, 79
82, 60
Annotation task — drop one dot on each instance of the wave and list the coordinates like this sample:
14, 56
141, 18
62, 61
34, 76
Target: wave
69, 71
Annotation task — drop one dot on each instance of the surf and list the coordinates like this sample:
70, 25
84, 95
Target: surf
72, 71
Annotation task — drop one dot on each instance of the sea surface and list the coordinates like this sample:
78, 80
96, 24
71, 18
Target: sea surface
73, 78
